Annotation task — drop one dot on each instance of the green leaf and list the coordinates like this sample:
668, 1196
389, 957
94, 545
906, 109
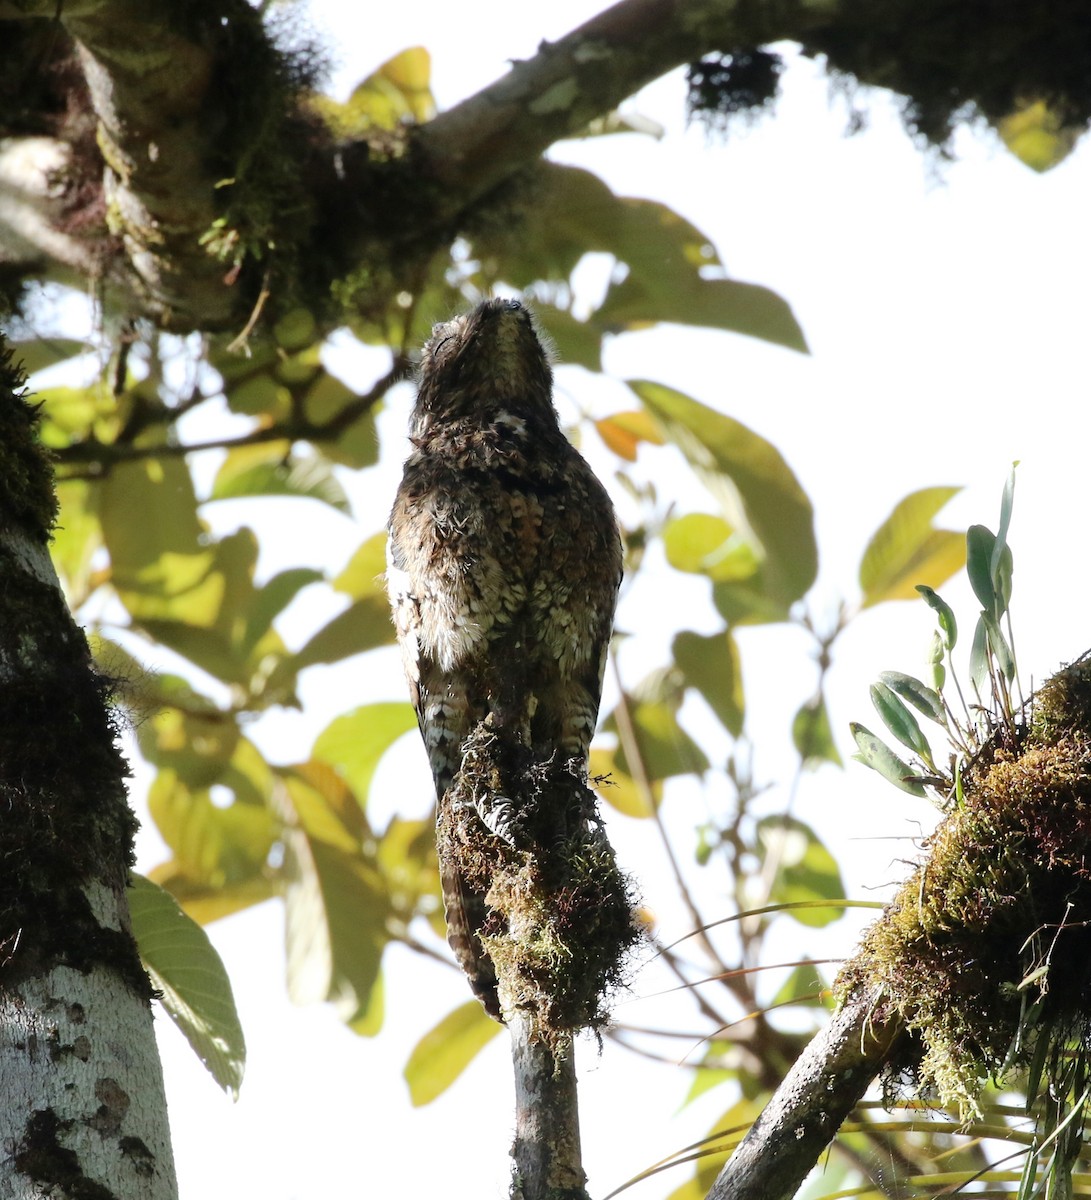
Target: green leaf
618, 788
804, 986
812, 735
907, 549
1006, 502
874, 753
702, 544
187, 972
980, 663
445, 1051
998, 645
272, 599
711, 665
362, 576
39, 353
575, 342
355, 742
979, 548
664, 261
900, 721
665, 747
924, 699
944, 612
759, 495
363, 626
806, 870
309, 477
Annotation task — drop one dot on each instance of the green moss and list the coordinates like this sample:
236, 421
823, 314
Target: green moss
994, 920
560, 926
27, 497
66, 820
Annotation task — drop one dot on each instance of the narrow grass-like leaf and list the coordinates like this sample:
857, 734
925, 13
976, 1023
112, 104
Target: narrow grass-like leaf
876, 754
998, 645
900, 721
1006, 502
923, 698
187, 972
944, 613
980, 674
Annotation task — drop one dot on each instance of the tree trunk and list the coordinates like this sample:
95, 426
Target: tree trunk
84, 1112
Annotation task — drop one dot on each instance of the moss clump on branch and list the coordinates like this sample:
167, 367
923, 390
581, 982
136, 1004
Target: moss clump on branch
986, 950
26, 475
528, 836
955, 61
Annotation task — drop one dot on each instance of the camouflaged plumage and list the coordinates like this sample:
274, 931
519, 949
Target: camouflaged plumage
504, 562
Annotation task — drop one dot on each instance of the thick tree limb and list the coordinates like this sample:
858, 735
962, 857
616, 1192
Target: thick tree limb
817, 1094
160, 82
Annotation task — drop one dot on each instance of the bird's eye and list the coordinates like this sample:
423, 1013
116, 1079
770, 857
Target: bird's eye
443, 342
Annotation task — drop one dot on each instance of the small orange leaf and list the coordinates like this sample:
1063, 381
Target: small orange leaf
624, 431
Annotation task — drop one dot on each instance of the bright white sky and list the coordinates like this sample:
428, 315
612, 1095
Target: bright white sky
947, 316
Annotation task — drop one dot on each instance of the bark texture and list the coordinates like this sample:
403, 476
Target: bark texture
817, 1094
84, 1113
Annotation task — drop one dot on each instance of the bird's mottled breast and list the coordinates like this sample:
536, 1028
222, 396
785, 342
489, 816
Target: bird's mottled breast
497, 522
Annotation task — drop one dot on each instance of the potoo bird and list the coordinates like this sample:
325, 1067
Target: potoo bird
504, 562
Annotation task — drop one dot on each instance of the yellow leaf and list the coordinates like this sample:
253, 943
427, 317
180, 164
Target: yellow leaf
624, 431
1036, 135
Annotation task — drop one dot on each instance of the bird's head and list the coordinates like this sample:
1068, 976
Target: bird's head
487, 358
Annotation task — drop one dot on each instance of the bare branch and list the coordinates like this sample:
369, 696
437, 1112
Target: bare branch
820, 1090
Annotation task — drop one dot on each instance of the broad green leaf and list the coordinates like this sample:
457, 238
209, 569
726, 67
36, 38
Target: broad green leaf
76, 537
702, 544
356, 444
666, 260
805, 986
806, 870
618, 788
354, 743
665, 747
907, 549
187, 972
168, 530
624, 431
362, 576
324, 807
759, 495
336, 908
576, 342
71, 414
295, 330
979, 548
206, 903
445, 1051
944, 613
42, 352
874, 753
900, 721
812, 735
363, 626
746, 308
272, 599
924, 699
311, 477
711, 665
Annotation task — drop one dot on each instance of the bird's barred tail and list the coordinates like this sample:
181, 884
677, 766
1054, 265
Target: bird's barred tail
466, 912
